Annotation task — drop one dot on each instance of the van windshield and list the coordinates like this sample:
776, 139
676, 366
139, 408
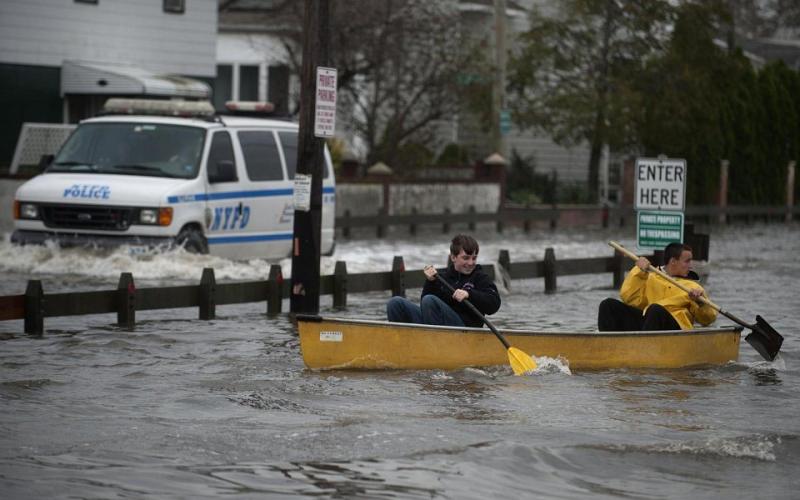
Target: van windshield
149, 149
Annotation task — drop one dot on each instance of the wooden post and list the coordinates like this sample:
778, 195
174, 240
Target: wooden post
549, 271
346, 224
274, 290
380, 229
34, 308
500, 223
723, 191
471, 223
208, 289
398, 277
658, 258
446, 225
504, 259
126, 312
412, 228
789, 190
307, 229
340, 285
619, 269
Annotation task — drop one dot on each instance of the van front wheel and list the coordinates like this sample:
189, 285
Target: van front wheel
192, 241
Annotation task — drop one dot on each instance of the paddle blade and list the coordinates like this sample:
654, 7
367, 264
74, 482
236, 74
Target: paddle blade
765, 339
521, 363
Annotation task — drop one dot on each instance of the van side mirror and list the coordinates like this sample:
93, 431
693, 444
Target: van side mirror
225, 172
44, 162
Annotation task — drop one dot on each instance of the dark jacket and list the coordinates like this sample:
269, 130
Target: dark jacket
482, 293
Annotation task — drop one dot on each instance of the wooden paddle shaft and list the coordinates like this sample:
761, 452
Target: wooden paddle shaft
476, 311
661, 273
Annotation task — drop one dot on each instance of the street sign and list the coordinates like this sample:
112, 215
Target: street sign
660, 184
658, 229
325, 109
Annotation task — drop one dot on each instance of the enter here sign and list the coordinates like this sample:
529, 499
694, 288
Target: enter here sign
660, 184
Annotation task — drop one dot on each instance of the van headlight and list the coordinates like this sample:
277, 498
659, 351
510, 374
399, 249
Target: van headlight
24, 210
156, 216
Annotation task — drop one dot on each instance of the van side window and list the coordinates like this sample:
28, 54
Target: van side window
221, 151
289, 143
261, 156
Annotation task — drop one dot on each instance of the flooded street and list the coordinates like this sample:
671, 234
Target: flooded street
182, 408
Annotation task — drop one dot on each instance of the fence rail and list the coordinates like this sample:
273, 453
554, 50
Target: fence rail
555, 216
35, 305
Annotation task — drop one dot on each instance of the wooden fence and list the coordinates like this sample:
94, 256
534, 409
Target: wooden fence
555, 216
35, 305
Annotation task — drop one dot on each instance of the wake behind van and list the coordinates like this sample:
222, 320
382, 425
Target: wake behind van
213, 184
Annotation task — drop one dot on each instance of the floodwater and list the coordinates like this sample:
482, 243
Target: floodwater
182, 408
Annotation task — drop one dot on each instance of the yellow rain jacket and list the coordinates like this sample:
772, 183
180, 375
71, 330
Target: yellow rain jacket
640, 289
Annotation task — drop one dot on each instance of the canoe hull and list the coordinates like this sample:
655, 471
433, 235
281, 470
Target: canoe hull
332, 343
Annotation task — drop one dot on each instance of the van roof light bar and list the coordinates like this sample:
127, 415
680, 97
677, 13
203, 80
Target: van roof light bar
254, 107
158, 107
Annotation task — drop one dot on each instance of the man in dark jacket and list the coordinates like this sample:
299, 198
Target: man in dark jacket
440, 306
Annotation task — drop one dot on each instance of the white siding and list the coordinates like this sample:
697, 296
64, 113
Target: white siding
139, 32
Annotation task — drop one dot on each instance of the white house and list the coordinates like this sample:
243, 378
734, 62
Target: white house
60, 59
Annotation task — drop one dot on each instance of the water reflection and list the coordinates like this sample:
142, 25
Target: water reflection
765, 376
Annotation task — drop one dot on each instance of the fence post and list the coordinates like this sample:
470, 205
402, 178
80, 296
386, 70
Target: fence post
499, 223
340, 285
724, 165
274, 290
380, 230
471, 223
549, 270
346, 224
412, 228
619, 269
398, 277
789, 190
34, 308
504, 259
446, 225
126, 312
208, 289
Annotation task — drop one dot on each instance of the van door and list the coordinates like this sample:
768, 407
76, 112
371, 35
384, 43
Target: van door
229, 216
269, 194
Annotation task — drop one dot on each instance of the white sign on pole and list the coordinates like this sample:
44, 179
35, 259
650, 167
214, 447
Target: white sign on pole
660, 184
325, 109
302, 192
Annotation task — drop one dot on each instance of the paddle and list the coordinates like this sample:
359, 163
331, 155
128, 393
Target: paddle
520, 362
763, 337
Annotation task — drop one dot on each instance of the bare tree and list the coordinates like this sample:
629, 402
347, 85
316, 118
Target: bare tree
398, 65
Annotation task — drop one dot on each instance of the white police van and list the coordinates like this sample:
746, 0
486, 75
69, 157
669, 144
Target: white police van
152, 173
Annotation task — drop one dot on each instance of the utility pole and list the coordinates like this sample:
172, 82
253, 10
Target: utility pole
499, 87
306, 245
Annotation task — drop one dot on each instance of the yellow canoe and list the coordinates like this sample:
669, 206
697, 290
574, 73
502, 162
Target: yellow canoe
335, 343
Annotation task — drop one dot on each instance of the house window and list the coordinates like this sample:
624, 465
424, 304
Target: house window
236, 82
175, 6
248, 83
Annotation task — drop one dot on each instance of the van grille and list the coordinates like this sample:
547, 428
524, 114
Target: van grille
87, 217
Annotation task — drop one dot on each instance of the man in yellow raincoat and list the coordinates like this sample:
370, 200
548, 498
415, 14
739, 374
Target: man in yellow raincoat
650, 302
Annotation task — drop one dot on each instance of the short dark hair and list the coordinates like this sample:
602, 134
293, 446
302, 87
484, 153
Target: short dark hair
463, 242
674, 251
